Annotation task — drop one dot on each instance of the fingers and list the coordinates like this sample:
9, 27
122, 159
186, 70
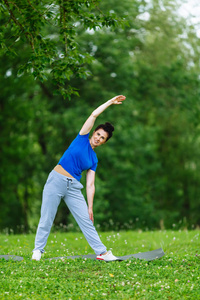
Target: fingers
91, 216
122, 97
118, 99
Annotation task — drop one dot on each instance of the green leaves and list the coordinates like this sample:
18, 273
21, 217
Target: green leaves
148, 172
34, 21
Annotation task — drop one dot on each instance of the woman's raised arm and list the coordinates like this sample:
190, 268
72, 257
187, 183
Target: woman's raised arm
87, 126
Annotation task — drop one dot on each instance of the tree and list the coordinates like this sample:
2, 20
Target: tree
38, 38
154, 151
148, 172
48, 30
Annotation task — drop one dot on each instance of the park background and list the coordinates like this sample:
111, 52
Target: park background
148, 174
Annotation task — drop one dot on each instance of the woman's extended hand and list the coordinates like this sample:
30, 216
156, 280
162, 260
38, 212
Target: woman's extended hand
118, 99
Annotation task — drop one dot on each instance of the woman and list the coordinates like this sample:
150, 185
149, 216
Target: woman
64, 182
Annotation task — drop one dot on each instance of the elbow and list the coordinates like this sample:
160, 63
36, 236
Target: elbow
94, 115
91, 187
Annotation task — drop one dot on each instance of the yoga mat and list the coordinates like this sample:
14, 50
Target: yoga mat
11, 257
150, 255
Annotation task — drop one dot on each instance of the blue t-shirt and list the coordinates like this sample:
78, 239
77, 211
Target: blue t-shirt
79, 157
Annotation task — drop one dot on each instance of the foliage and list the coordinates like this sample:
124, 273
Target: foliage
48, 30
148, 172
152, 160
174, 276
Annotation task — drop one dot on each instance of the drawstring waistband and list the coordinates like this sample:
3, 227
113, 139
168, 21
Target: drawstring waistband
69, 181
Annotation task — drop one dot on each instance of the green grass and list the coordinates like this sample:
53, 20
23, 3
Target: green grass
174, 276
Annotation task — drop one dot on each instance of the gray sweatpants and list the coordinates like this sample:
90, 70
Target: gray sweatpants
57, 187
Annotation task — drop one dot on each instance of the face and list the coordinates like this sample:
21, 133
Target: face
98, 138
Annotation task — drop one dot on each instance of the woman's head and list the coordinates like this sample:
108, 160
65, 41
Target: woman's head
107, 127
101, 134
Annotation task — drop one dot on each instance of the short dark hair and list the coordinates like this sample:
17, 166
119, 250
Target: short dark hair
108, 127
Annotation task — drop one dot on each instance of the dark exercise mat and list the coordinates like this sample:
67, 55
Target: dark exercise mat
11, 257
150, 255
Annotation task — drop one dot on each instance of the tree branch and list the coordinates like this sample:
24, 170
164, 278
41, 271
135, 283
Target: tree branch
28, 35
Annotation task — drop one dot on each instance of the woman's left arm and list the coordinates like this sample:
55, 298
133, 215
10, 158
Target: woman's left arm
90, 190
87, 126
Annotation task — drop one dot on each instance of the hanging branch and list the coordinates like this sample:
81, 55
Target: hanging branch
30, 20
27, 34
63, 23
64, 27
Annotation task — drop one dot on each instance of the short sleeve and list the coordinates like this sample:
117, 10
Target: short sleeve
94, 167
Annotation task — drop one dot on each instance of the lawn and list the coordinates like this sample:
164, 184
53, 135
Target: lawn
174, 276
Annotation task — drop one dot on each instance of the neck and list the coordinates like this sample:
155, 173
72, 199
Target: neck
93, 146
